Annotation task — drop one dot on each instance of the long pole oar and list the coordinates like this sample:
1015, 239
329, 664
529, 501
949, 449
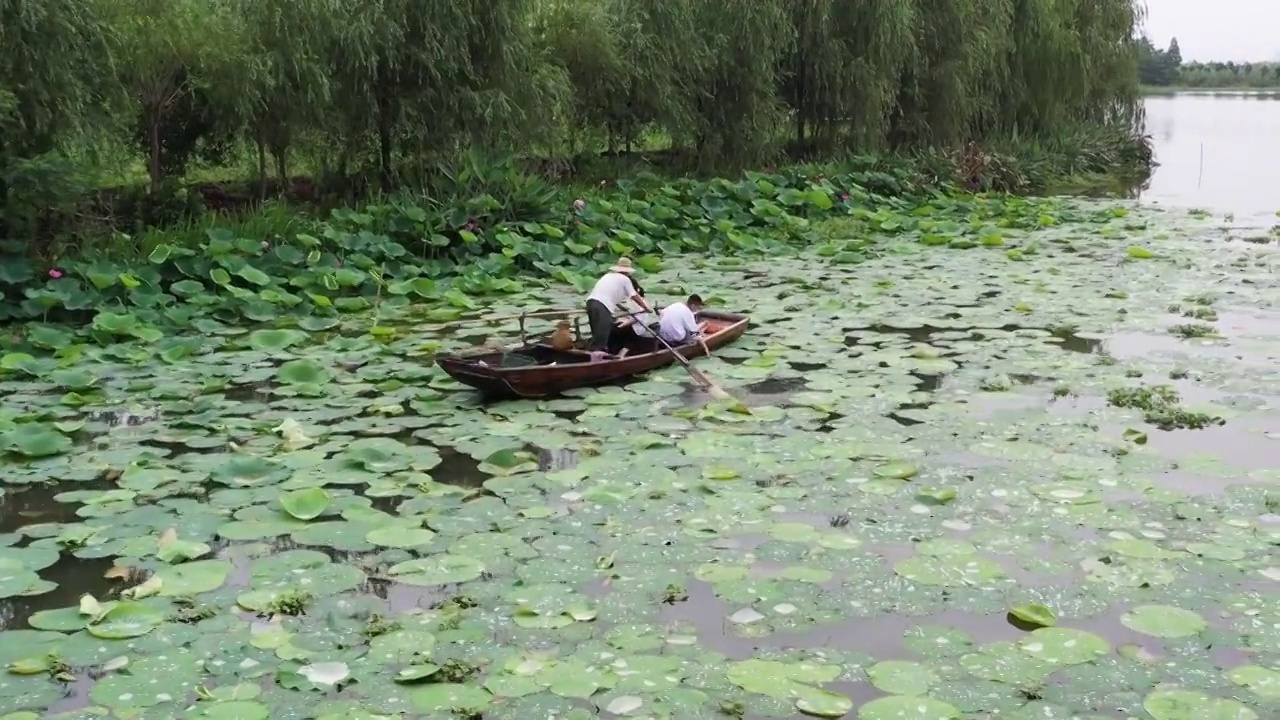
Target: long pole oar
567, 312
698, 376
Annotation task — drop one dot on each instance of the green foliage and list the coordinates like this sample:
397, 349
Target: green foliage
1229, 75
491, 228
393, 88
1165, 68
481, 235
1158, 67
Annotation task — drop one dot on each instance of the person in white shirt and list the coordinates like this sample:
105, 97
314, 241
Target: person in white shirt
677, 323
612, 290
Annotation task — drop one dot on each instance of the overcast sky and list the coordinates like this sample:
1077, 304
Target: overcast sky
1239, 30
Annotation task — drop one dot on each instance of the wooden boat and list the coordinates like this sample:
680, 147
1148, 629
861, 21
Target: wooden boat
536, 370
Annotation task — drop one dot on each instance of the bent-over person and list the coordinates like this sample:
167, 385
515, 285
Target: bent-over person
612, 290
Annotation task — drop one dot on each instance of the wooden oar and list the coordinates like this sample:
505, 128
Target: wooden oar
541, 314
567, 312
698, 376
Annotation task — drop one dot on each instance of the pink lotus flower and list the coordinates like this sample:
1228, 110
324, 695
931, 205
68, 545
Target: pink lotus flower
55, 273
579, 205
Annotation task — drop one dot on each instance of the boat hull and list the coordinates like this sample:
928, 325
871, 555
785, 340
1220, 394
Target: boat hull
574, 369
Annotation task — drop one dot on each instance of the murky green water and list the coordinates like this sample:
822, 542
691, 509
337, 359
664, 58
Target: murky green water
931, 445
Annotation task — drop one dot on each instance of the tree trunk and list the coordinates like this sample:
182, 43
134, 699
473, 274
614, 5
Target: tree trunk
153, 162
386, 122
384, 153
261, 142
282, 166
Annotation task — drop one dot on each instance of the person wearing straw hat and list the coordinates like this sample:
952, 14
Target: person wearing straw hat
612, 290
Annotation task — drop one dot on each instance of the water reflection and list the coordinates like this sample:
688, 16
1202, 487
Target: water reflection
1217, 151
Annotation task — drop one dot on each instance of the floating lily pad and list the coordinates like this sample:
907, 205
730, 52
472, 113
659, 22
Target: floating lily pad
1034, 614
193, 578
1263, 682
126, 620
951, 571
902, 707
1064, 646
437, 570
824, 704
399, 537
901, 677
780, 680
450, 697
306, 504
1163, 621
1193, 705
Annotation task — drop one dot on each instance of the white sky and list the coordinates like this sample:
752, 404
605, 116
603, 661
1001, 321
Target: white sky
1239, 30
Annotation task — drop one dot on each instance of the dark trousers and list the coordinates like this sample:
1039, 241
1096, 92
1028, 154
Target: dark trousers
600, 318
623, 337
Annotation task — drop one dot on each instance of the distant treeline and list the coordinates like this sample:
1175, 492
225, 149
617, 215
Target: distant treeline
1165, 68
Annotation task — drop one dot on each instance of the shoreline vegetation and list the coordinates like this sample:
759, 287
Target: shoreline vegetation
1163, 70
174, 117
1222, 89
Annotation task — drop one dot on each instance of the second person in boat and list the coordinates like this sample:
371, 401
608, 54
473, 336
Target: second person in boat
614, 289
678, 324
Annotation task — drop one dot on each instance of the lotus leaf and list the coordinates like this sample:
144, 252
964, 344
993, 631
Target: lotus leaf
306, 504
125, 620
965, 413
1163, 621
902, 707
1192, 705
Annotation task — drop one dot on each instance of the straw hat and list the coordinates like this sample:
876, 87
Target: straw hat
623, 266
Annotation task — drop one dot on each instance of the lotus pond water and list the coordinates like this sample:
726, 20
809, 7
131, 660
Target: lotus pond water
974, 483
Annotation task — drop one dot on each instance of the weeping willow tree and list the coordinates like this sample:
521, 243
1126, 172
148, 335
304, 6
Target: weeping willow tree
176, 64
737, 108
285, 72
55, 66
584, 40
401, 84
1111, 50
846, 69
426, 77
955, 58
1067, 62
